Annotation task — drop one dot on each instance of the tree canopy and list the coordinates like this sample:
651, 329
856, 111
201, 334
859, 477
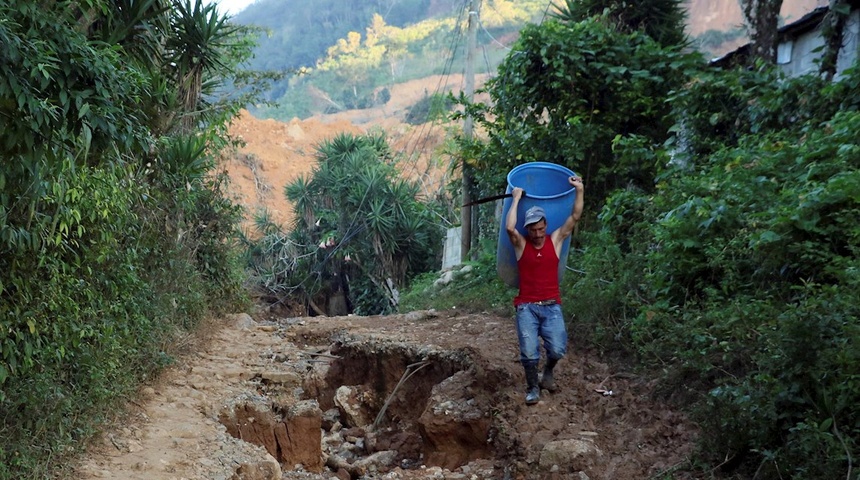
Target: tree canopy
115, 233
719, 248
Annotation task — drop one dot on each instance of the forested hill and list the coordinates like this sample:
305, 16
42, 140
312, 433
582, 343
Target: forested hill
349, 50
301, 31
368, 45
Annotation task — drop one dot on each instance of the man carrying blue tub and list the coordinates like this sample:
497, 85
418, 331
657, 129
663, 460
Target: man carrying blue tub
538, 303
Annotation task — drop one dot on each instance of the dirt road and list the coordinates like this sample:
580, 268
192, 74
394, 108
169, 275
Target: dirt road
449, 387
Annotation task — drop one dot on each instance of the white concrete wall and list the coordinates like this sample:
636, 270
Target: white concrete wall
451, 252
797, 57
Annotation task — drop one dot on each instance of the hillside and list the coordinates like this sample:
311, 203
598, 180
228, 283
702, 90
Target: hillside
276, 153
724, 15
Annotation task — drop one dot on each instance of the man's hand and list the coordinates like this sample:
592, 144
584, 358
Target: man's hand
517, 193
576, 182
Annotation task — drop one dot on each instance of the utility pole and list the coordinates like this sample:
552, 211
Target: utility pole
469, 90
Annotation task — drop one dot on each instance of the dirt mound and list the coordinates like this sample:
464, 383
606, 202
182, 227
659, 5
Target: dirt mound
420, 395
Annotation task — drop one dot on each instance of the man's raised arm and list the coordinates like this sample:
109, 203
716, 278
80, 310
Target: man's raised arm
567, 227
517, 240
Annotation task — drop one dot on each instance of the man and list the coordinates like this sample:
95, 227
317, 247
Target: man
538, 303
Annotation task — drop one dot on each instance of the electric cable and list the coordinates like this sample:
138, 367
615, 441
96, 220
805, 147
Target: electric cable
423, 133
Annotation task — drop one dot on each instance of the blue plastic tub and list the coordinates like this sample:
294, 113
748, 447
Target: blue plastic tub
546, 185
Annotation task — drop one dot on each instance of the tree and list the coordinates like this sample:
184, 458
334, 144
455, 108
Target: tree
662, 20
360, 230
109, 219
197, 46
833, 32
763, 18
577, 94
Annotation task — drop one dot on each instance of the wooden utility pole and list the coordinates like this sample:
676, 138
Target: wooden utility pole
469, 90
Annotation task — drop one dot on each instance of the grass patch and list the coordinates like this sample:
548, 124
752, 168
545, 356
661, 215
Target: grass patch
472, 287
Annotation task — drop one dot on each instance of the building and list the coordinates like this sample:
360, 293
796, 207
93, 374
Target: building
801, 44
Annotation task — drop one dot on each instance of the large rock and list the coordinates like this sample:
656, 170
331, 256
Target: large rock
300, 436
357, 404
268, 469
569, 455
455, 425
293, 439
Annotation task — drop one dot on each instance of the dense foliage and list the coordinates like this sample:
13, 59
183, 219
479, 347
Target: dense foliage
580, 94
722, 246
360, 235
662, 20
115, 236
751, 261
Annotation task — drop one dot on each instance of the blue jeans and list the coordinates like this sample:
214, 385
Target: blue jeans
535, 322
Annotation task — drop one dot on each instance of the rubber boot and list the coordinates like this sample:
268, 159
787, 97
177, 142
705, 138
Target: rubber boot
547, 382
532, 389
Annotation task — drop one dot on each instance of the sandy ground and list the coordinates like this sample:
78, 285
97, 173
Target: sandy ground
171, 431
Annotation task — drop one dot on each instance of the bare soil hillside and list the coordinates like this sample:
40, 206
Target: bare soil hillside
276, 153
723, 15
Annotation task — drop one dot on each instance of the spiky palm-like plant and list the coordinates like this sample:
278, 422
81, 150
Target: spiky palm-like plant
200, 37
662, 20
362, 227
140, 27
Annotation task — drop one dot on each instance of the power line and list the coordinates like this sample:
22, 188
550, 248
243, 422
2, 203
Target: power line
491, 35
423, 133
549, 4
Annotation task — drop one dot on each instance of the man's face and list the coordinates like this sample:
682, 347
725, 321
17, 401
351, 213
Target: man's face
537, 231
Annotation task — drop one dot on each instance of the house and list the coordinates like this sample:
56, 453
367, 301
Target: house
801, 44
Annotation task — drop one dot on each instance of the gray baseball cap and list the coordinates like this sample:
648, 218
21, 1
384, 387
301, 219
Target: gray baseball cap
533, 215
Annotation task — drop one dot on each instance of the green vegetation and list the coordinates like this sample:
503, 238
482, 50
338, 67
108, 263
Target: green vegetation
338, 55
116, 237
720, 247
661, 20
372, 52
579, 94
474, 287
430, 109
361, 231
721, 250
300, 32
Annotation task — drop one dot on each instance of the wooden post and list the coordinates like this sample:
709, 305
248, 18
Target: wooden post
469, 87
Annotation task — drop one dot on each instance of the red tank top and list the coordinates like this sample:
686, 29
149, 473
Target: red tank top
538, 271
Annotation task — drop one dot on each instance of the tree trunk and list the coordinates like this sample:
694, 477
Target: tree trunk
833, 31
762, 16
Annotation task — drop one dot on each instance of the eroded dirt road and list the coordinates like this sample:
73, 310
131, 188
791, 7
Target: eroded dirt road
448, 384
